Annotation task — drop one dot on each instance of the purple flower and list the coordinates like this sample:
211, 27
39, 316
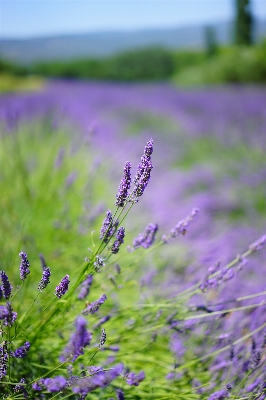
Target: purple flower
124, 186
24, 266
78, 341
21, 388
143, 173
103, 338
95, 305
108, 227
3, 359
62, 288
22, 351
100, 379
55, 384
146, 239
182, 226
38, 385
6, 287
119, 240
133, 379
45, 279
120, 395
85, 287
11, 315
258, 244
220, 395
102, 321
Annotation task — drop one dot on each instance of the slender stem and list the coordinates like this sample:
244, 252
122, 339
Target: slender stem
32, 304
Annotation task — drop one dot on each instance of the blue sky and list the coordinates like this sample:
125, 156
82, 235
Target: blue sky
30, 18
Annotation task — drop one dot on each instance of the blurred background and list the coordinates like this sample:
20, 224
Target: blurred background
192, 42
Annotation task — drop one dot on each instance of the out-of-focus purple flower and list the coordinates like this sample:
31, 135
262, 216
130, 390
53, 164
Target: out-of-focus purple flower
6, 286
45, 279
258, 244
11, 315
124, 186
253, 385
143, 173
62, 288
147, 238
95, 305
3, 359
176, 345
134, 380
100, 379
182, 226
38, 385
70, 179
85, 287
24, 266
56, 384
219, 395
3, 312
22, 351
119, 240
59, 158
102, 321
98, 263
78, 341
255, 359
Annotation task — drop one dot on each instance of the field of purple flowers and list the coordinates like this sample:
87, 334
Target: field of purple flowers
186, 312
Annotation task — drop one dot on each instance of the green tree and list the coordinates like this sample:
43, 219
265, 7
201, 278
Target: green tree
243, 22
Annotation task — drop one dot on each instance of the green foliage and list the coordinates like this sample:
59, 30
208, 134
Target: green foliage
230, 65
144, 64
210, 41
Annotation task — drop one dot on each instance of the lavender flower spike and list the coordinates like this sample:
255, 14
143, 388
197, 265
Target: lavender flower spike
78, 341
143, 173
107, 229
62, 288
24, 266
6, 287
119, 240
95, 305
146, 239
3, 359
85, 287
45, 279
22, 351
124, 186
258, 244
182, 226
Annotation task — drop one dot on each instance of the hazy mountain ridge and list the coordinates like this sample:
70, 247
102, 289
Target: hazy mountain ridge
104, 44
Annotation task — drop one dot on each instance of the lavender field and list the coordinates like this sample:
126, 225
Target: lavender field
184, 317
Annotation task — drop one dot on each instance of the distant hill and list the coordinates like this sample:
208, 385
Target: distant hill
103, 44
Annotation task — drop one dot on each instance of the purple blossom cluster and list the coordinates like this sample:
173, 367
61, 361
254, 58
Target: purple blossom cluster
80, 339
143, 173
85, 287
108, 227
21, 352
45, 280
62, 288
147, 238
120, 234
6, 286
93, 307
7, 314
123, 190
24, 266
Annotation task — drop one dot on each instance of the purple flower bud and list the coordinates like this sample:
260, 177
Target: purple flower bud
143, 173
124, 186
182, 226
220, 395
119, 240
6, 287
21, 388
24, 266
85, 287
45, 279
94, 306
103, 338
22, 351
120, 395
62, 288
